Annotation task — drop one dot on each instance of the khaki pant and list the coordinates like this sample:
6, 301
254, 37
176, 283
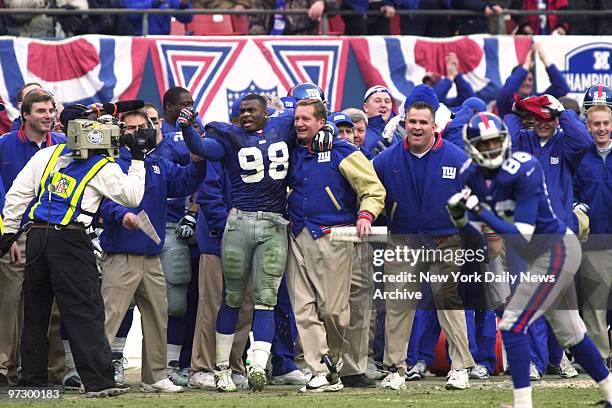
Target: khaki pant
11, 320
595, 276
210, 285
130, 276
400, 312
360, 301
319, 283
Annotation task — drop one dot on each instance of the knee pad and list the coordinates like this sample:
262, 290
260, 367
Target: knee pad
233, 264
266, 296
177, 300
274, 261
234, 298
176, 261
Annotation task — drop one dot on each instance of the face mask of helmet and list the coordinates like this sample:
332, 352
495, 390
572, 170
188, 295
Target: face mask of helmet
481, 128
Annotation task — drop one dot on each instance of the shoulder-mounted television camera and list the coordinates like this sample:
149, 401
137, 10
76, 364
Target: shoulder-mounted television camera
98, 131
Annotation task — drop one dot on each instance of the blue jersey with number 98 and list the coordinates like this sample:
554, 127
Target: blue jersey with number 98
257, 162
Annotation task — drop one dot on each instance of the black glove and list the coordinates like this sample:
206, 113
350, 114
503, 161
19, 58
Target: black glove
324, 139
187, 117
5, 243
187, 225
138, 146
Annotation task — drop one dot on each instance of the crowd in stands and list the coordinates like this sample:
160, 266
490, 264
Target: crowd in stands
385, 23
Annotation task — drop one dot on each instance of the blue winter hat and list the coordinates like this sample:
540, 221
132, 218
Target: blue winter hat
422, 93
235, 112
475, 104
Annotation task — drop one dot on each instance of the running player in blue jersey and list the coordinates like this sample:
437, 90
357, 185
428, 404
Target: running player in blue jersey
507, 192
256, 156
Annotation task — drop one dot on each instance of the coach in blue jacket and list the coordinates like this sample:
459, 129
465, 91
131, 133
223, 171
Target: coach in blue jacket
326, 187
593, 186
419, 176
132, 269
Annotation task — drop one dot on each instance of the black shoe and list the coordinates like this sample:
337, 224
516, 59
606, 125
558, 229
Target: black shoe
357, 381
3, 381
108, 392
553, 370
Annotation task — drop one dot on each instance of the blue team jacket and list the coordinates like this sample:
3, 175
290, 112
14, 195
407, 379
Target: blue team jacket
163, 179
406, 214
505, 98
215, 199
593, 186
321, 195
559, 158
16, 150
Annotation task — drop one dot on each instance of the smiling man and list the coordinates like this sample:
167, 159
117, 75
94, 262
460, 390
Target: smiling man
419, 176
325, 189
378, 106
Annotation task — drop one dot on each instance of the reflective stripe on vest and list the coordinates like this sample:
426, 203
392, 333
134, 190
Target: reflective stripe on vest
78, 192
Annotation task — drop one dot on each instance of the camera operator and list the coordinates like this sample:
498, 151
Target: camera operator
60, 261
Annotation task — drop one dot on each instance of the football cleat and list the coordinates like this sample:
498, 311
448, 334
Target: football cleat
224, 382
203, 380
257, 378
394, 381
321, 382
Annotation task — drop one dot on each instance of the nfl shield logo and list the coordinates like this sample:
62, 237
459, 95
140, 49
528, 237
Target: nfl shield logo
233, 95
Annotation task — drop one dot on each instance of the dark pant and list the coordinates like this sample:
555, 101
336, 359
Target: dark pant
66, 269
362, 25
426, 26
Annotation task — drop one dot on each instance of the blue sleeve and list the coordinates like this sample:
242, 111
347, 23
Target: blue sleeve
464, 91
576, 138
112, 212
511, 86
558, 85
207, 148
211, 200
379, 167
515, 126
441, 88
184, 180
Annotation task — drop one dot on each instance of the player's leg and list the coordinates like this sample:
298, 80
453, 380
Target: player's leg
537, 335
118, 345
237, 248
284, 369
485, 323
530, 300
269, 260
175, 260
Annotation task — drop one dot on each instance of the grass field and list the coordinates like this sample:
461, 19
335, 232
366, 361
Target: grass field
551, 392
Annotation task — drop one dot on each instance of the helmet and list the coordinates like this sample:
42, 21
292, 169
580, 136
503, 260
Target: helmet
485, 126
597, 95
307, 90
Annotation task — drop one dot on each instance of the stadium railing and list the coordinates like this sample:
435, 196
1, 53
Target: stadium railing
325, 19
